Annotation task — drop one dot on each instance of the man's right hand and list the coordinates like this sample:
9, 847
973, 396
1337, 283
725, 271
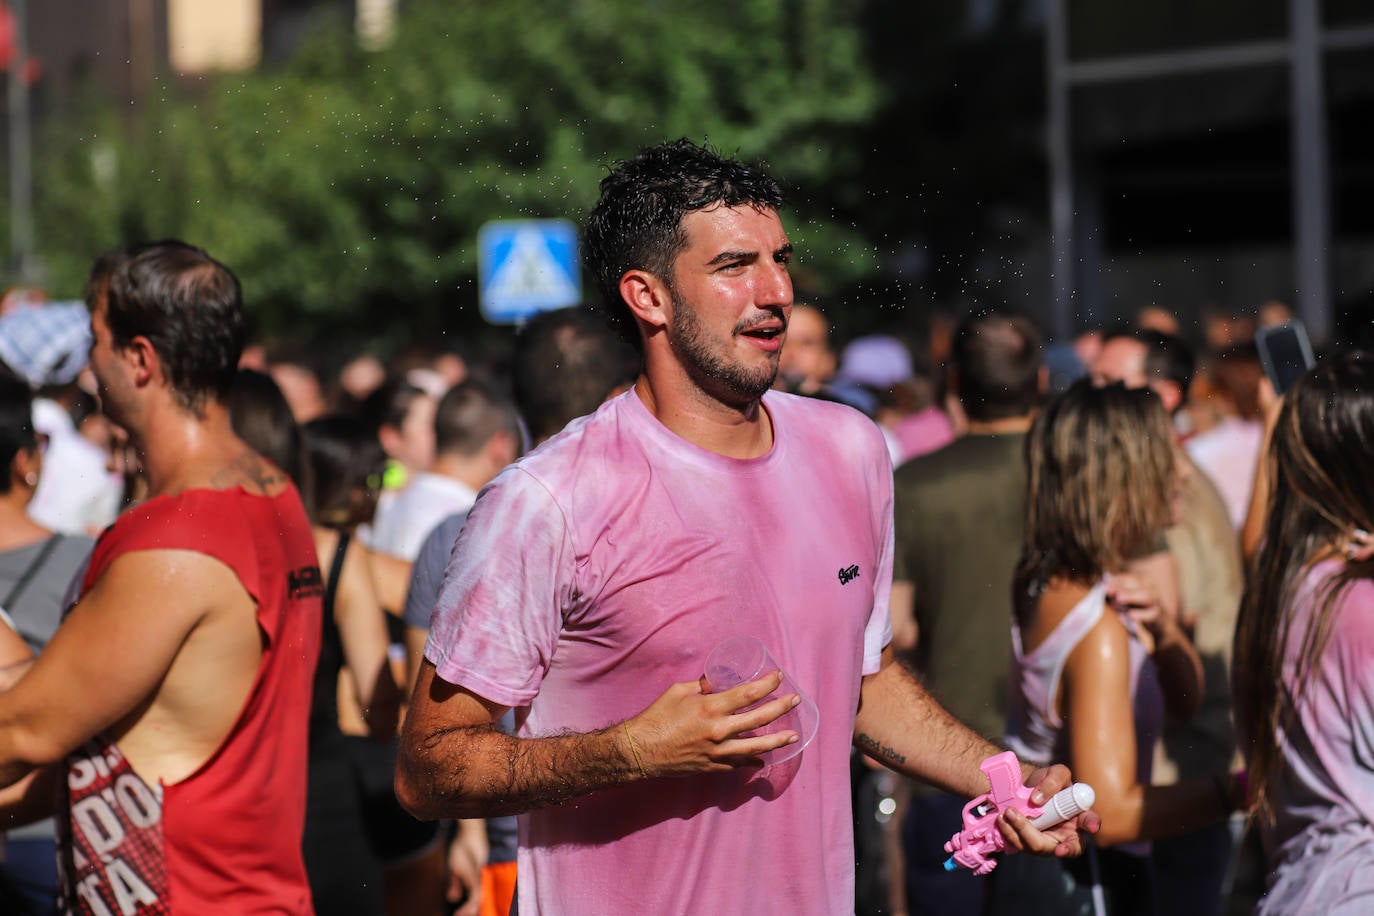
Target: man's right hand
691, 730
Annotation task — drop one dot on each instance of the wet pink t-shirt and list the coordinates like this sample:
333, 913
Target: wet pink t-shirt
1321, 846
603, 568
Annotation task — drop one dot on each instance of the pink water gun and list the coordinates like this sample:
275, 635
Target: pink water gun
974, 846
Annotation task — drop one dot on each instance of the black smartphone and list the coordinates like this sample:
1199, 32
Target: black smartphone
1285, 352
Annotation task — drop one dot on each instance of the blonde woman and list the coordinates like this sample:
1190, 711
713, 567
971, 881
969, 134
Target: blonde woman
1096, 659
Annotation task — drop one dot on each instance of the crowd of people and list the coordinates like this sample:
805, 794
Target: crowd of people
429, 636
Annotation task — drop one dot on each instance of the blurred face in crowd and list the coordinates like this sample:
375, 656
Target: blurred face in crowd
1121, 360
414, 446
806, 356
107, 365
301, 388
731, 300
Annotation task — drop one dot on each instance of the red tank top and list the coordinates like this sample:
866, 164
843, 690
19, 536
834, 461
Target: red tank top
226, 839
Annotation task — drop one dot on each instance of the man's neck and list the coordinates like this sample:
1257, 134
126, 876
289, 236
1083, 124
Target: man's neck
692, 414
180, 450
471, 471
1001, 427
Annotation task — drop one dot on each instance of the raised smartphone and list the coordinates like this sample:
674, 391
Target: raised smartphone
1285, 353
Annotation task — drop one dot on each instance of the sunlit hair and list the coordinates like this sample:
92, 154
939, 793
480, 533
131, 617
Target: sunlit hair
467, 417
996, 360
185, 303
637, 222
1321, 489
1100, 475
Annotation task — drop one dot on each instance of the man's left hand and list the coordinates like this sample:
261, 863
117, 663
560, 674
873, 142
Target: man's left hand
1063, 840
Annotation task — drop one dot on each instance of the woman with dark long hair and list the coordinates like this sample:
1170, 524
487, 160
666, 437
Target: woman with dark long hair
1096, 659
337, 465
1304, 650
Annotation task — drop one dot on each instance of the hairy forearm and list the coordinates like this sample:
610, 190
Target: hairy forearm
901, 725
477, 771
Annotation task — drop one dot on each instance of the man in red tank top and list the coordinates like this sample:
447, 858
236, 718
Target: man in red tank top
169, 712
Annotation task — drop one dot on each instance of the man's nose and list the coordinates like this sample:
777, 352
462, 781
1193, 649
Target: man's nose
776, 288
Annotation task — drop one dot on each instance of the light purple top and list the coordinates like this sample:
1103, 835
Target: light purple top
1227, 454
1321, 849
603, 568
1035, 730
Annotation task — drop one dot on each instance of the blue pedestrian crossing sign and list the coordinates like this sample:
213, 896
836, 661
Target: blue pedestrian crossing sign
525, 267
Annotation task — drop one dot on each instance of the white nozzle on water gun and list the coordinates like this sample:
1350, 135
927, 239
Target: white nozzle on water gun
1067, 803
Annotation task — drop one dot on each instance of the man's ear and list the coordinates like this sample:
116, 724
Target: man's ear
390, 438
144, 360
1170, 395
502, 448
647, 297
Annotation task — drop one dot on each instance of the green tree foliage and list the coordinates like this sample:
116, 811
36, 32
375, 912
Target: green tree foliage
348, 186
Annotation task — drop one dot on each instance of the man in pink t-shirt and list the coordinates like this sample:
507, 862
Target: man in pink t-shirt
594, 577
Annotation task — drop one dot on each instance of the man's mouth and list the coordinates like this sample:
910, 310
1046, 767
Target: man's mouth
765, 333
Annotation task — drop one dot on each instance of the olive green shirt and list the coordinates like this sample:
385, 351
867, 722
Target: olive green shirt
960, 512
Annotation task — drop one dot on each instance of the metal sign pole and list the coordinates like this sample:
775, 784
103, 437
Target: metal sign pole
1062, 267
1311, 185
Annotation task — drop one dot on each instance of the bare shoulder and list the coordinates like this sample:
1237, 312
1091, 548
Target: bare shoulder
1047, 609
169, 584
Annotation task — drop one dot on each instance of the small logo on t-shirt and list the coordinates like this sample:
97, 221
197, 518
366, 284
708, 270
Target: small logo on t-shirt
305, 582
849, 574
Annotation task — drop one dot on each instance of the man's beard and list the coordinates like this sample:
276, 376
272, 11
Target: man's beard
731, 384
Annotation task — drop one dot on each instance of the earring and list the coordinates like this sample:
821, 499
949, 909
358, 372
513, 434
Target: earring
1360, 547
31, 478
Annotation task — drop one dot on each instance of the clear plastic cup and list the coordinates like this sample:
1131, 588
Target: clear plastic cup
741, 659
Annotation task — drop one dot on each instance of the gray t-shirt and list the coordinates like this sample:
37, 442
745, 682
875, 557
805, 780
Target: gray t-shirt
425, 578
37, 608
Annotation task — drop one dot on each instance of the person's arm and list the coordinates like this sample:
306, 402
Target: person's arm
900, 724
415, 638
1161, 570
362, 633
109, 656
33, 797
454, 762
390, 578
467, 856
1252, 532
1097, 710
15, 655
1175, 658
906, 631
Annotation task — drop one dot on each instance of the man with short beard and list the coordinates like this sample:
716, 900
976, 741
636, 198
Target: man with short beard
698, 506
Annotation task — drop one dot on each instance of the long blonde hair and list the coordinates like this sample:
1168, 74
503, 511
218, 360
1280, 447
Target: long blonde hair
1100, 468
